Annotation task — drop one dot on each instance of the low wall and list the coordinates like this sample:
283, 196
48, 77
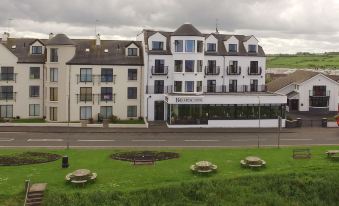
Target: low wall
8, 124
332, 124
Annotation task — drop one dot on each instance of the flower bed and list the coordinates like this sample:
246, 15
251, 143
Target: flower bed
157, 156
27, 158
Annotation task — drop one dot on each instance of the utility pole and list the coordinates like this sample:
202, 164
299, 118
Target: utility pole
279, 129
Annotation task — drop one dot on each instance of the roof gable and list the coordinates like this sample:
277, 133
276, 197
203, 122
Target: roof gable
187, 30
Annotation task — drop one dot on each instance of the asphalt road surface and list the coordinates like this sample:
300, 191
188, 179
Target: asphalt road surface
167, 138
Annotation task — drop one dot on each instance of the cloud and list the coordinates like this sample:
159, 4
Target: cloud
282, 26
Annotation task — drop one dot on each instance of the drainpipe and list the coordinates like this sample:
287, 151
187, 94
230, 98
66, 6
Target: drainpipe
43, 89
141, 91
259, 110
224, 76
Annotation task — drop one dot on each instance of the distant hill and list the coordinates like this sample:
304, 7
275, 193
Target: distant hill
329, 60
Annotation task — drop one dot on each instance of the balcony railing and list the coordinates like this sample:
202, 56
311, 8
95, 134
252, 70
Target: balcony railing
8, 96
254, 71
314, 93
96, 79
85, 78
92, 98
106, 78
158, 89
8, 77
232, 70
159, 70
85, 98
212, 70
257, 88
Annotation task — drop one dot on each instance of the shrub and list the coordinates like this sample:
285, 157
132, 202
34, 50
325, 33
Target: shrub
114, 119
91, 120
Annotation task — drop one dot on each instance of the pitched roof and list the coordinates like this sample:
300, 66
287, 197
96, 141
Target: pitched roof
97, 55
60, 39
296, 77
187, 30
22, 50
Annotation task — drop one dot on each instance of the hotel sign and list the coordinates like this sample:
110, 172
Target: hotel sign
188, 99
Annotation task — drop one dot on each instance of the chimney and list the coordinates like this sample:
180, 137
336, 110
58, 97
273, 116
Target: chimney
5, 37
97, 42
51, 35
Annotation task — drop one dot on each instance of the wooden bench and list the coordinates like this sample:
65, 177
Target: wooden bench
302, 153
144, 160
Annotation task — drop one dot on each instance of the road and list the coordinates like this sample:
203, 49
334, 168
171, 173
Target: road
167, 138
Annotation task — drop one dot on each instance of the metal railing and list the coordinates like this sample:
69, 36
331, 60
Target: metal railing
313, 93
27, 185
85, 98
232, 70
254, 71
159, 70
212, 70
92, 98
96, 79
8, 77
8, 96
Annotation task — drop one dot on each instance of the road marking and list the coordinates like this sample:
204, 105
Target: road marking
148, 140
6, 139
201, 140
95, 140
45, 140
296, 139
245, 140
12, 132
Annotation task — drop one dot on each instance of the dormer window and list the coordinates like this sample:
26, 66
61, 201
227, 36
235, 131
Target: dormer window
157, 45
132, 52
211, 47
252, 48
36, 49
232, 48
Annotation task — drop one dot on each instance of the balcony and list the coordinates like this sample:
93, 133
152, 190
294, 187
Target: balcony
158, 89
108, 97
254, 71
8, 96
159, 70
215, 70
232, 70
257, 88
313, 93
85, 98
214, 89
8, 77
85, 78
106, 78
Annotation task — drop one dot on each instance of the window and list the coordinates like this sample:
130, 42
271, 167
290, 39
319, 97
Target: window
53, 113
131, 93
252, 48
199, 65
34, 110
157, 45
106, 112
200, 46
319, 91
6, 93
159, 66
53, 93
179, 45
177, 86
232, 48
199, 86
211, 85
6, 111
131, 111
233, 67
132, 52
54, 55
189, 86
233, 85
85, 75
36, 49
85, 112
106, 74
177, 65
189, 46
106, 93
53, 74
34, 73
254, 67
132, 74
254, 85
212, 67
34, 91
189, 65
7, 73
158, 86
86, 94
211, 47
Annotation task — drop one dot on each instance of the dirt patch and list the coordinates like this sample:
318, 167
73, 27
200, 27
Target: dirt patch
157, 156
27, 158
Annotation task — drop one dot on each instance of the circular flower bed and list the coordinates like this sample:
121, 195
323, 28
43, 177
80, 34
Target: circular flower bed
27, 158
203, 167
157, 156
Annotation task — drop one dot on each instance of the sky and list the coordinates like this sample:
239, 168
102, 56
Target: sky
281, 26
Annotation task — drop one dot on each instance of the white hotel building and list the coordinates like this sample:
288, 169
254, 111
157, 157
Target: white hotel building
64, 79
207, 80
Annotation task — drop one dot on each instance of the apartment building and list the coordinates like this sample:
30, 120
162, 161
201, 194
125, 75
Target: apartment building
207, 80
65, 79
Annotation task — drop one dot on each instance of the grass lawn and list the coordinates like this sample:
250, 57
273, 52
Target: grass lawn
28, 121
304, 61
123, 178
129, 121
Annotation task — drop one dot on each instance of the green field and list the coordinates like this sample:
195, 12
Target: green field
329, 61
284, 181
